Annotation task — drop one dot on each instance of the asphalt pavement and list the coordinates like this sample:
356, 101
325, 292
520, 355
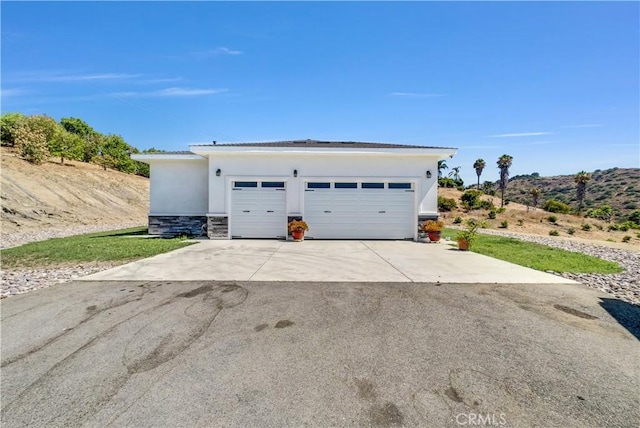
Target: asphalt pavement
240, 353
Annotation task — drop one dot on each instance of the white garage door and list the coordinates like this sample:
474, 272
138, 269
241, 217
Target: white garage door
258, 209
359, 210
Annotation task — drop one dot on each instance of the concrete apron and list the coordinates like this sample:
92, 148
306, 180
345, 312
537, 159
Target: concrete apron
325, 261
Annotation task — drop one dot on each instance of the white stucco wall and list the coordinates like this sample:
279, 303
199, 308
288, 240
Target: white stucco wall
318, 166
179, 187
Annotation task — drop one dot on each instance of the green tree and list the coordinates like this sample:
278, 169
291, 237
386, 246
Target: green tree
581, 179
479, 165
44, 124
92, 140
9, 123
455, 173
115, 153
66, 145
535, 193
504, 163
32, 144
442, 165
77, 126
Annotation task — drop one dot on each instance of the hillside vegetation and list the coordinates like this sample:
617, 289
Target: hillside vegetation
58, 196
617, 187
520, 218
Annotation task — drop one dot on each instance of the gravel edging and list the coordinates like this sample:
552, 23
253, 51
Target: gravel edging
625, 286
22, 280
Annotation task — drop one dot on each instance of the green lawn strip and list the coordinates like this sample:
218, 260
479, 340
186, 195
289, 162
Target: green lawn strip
118, 245
539, 257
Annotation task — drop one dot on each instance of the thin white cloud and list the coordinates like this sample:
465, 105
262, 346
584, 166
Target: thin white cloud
589, 125
169, 92
13, 92
72, 77
214, 52
415, 95
520, 134
165, 80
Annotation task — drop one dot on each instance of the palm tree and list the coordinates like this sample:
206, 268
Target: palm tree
479, 166
581, 178
455, 173
442, 165
535, 192
504, 162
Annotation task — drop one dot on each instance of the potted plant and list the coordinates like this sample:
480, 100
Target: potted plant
468, 235
297, 229
433, 228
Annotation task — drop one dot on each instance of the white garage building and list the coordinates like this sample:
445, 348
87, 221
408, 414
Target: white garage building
343, 190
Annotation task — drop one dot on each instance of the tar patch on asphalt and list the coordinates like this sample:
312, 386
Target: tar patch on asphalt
575, 312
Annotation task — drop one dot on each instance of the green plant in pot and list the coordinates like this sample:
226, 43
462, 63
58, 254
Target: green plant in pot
433, 229
297, 229
467, 235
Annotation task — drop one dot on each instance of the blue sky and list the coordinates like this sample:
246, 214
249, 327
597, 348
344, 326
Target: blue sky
555, 85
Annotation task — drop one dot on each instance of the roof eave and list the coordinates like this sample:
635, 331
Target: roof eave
439, 152
147, 157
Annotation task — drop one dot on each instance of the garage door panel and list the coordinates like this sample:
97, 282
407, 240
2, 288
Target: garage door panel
359, 213
258, 213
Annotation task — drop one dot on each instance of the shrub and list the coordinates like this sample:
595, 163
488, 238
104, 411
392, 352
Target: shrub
554, 206
600, 227
554, 233
520, 222
635, 217
571, 231
457, 220
504, 224
626, 238
471, 199
612, 228
623, 227
552, 219
446, 204
605, 212
492, 214
486, 205
586, 227
448, 182
501, 210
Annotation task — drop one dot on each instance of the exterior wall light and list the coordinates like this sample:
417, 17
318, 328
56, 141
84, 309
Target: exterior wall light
295, 172
218, 172
428, 174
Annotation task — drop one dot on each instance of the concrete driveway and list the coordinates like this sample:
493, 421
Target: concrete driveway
362, 261
249, 354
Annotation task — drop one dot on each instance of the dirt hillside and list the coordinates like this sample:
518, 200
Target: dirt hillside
52, 196
523, 219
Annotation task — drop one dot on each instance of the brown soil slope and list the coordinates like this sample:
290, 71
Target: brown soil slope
53, 196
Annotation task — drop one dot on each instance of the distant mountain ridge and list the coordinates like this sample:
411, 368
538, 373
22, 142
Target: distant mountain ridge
618, 187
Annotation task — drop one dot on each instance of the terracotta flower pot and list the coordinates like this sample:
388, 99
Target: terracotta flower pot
298, 235
463, 245
434, 236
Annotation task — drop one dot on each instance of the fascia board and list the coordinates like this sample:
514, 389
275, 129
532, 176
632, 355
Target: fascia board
146, 158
